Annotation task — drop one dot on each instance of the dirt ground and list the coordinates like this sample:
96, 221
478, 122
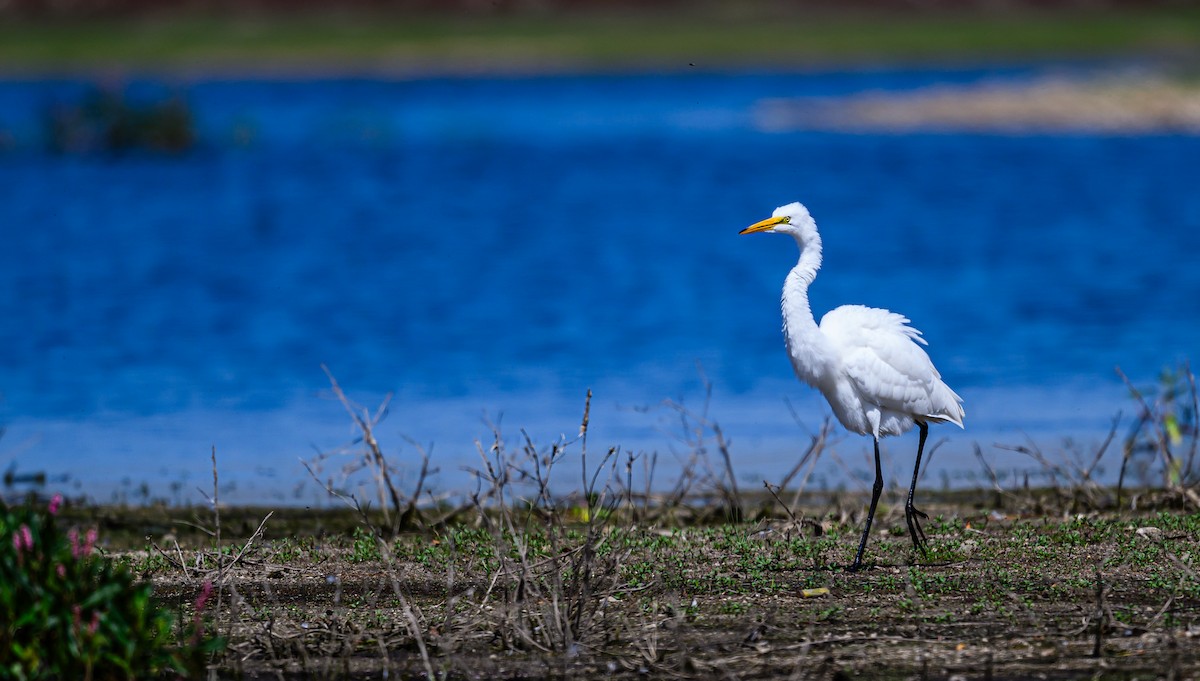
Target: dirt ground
1003, 594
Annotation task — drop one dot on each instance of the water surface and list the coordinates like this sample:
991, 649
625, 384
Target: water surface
490, 248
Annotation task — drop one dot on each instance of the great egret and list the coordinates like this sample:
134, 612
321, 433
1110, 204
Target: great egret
865, 361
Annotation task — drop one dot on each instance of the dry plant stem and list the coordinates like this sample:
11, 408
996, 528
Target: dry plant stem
853, 472
648, 467
683, 485
408, 518
1148, 412
723, 447
181, 564
560, 620
1178, 476
216, 504
349, 500
786, 509
1034, 452
925, 464
815, 446
552, 604
223, 570
1191, 457
1112, 434
1154, 621
197, 525
410, 616
695, 426
1072, 476
812, 455
629, 459
583, 428
1127, 453
644, 504
365, 423
179, 552
1001, 493
819, 442
987, 468
1097, 650
401, 511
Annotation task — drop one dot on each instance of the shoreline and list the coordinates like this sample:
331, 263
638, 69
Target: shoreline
258, 452
302, 69
1104, 96
715, 36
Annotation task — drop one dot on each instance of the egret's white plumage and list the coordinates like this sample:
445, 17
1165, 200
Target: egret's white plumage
867, 362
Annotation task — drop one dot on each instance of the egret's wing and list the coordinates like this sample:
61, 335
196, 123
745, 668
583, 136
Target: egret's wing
881, 355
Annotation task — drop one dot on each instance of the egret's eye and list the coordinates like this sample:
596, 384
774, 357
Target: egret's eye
787, 219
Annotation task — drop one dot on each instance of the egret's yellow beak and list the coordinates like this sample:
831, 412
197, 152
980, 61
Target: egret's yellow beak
765, 225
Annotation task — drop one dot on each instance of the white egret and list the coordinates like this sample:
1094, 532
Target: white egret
865, 361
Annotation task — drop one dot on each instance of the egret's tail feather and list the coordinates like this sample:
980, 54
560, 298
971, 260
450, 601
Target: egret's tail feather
947, 406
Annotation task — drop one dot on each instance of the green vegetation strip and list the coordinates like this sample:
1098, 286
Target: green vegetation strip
609, 40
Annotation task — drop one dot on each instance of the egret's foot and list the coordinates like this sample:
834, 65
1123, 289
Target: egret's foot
911, 515
857, 565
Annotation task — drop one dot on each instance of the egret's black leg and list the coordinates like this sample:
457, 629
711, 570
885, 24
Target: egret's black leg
911, 512
876, 490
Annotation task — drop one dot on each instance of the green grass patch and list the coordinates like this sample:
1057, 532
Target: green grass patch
633, 39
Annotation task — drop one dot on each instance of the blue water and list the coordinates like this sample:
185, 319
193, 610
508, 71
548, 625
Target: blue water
490, 248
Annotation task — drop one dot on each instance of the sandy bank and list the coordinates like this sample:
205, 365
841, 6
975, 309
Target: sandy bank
1124, 104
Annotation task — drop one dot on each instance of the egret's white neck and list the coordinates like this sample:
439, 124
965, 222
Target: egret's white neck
806, 344
810, 259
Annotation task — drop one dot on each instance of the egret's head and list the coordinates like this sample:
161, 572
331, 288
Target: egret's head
790, 219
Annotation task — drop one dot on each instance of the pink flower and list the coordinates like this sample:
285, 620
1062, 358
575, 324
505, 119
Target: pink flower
202, 599
84, 548
61, 570
55, 503
95, 624
22, 541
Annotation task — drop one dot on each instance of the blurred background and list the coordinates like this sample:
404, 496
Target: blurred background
487, 208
